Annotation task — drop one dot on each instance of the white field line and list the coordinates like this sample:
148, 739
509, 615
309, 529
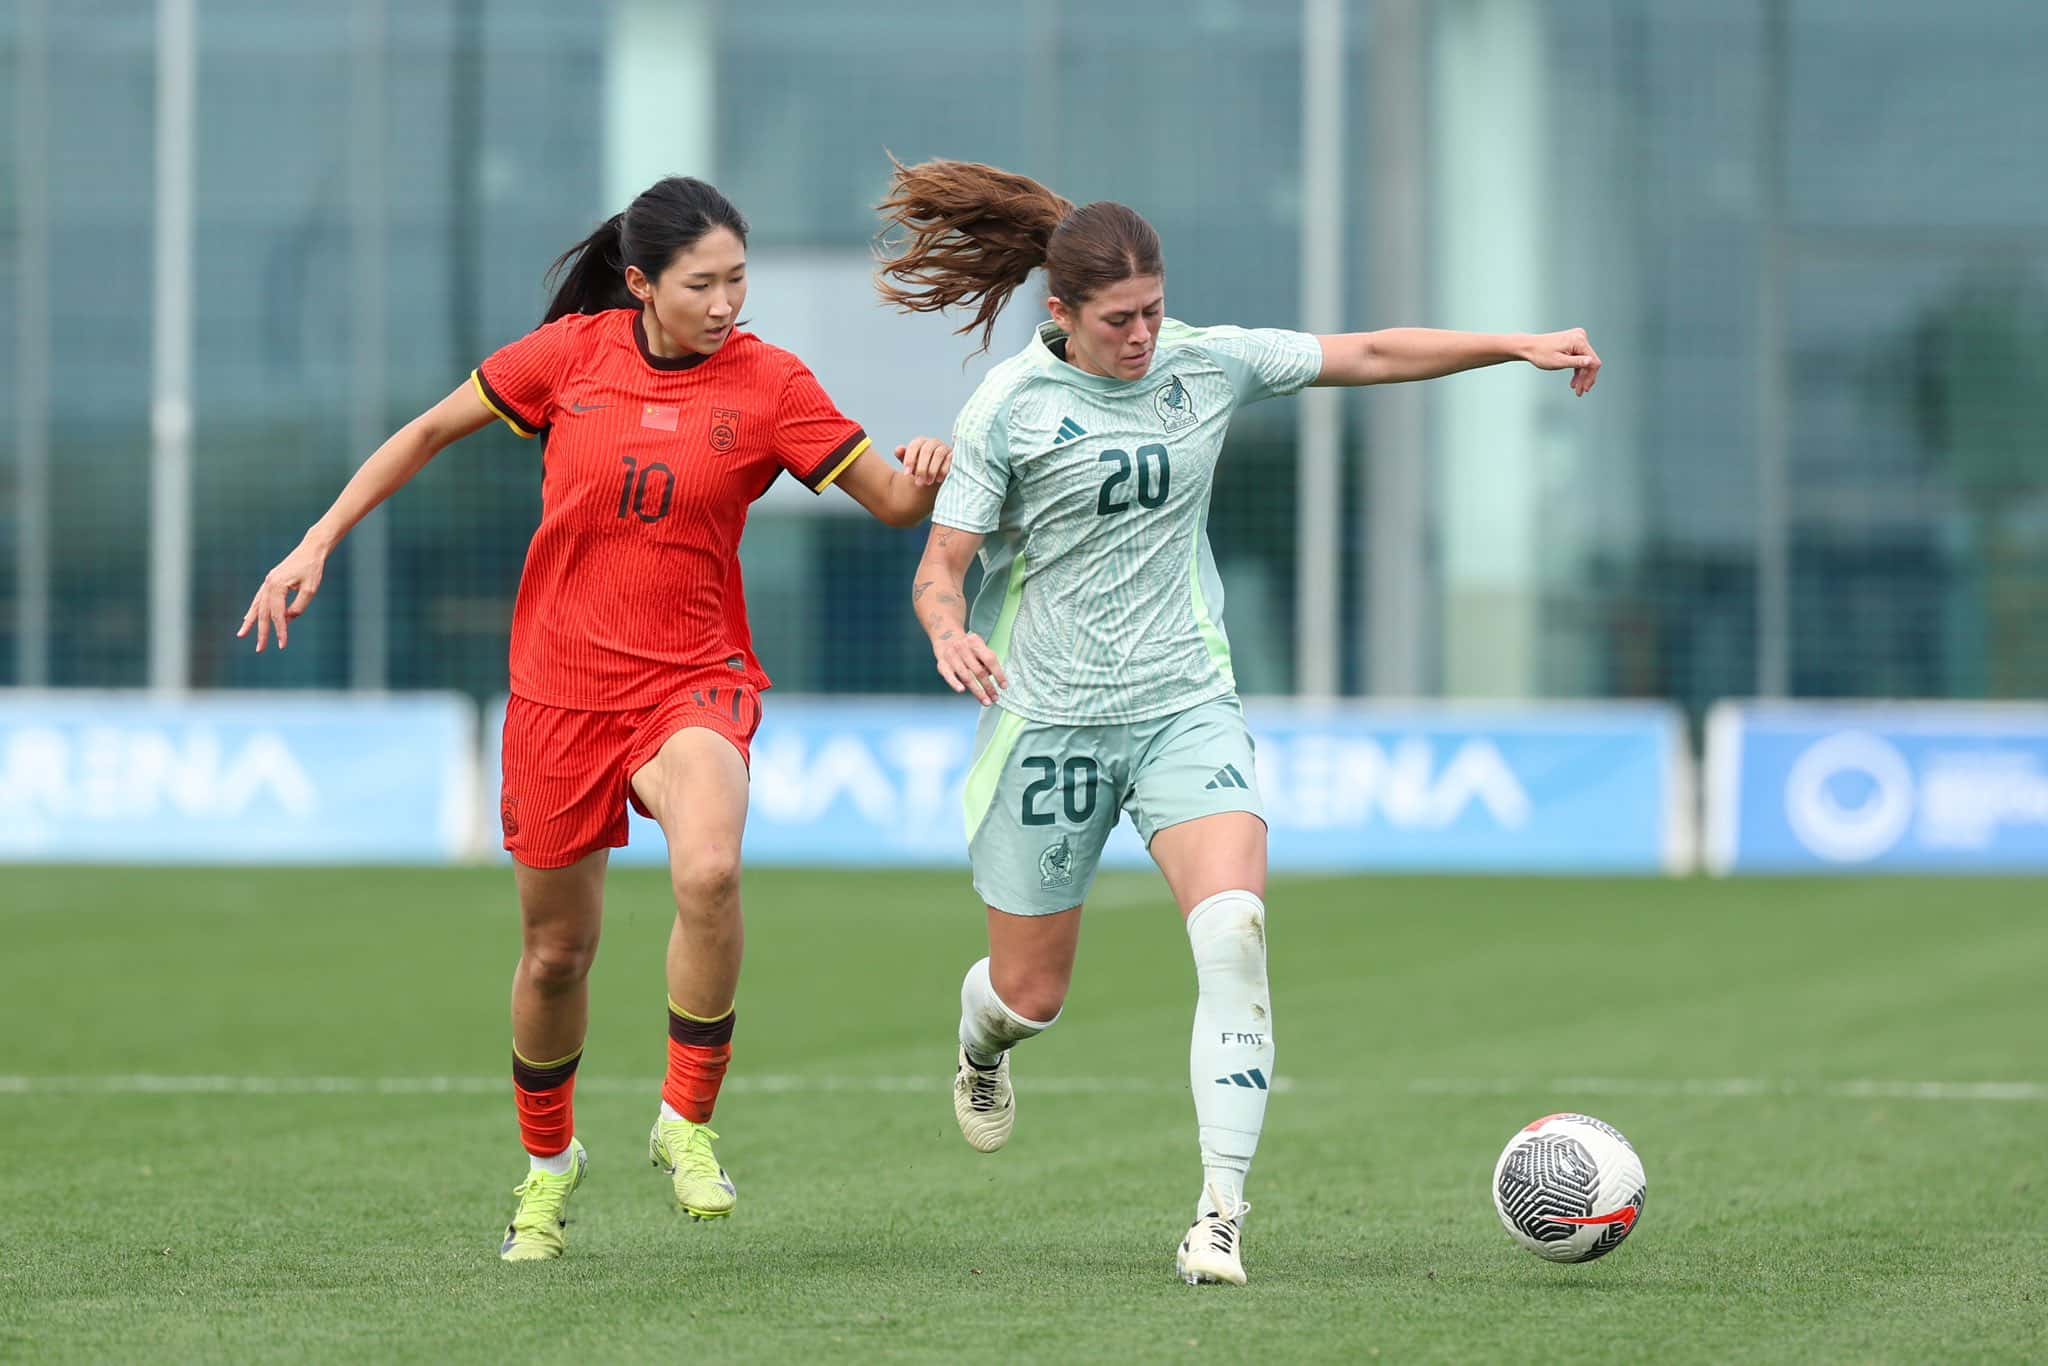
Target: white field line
1562, 1089
1733, 1088
231, 1085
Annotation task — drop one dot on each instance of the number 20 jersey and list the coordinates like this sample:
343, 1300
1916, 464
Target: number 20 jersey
1099, 591
632, 581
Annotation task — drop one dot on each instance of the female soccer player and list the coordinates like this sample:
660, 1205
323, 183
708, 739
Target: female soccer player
633, 671
1082, 474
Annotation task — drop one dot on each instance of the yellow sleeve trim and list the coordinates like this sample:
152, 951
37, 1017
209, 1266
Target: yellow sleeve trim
843, 465
476, 378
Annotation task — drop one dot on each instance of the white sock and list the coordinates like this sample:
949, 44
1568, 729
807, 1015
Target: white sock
1230, 1062
558, 1165
988, 1027
669, 1113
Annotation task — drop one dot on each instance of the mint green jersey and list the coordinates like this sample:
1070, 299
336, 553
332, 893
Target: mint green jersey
1099, 591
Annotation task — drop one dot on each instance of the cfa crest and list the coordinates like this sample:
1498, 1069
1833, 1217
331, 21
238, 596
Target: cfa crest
1175, 406
725, 429
1056, 865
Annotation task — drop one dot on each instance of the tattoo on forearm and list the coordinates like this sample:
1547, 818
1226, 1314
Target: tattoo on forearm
943, 616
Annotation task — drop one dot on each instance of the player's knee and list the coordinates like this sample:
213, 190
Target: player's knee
1032, 995
705, 878
1228, 934
1041, 1001
556, 964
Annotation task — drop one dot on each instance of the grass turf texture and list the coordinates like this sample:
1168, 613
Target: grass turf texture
1797, 1226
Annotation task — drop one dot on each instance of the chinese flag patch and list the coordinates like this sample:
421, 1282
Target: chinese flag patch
660, 417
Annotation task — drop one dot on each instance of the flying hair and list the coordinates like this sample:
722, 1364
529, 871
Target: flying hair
966, 234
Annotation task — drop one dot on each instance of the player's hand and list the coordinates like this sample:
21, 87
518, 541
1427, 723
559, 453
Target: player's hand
926, 459
274, 608
968, 665
1568, 350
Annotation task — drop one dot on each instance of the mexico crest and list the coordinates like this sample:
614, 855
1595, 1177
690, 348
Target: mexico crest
1175, 406
1056, 865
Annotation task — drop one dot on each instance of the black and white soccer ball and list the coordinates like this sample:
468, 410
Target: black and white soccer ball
1569, 1188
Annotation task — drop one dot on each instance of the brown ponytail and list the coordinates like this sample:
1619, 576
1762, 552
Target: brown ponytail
975, 233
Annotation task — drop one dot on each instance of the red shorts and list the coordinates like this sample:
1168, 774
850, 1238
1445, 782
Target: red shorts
569, 774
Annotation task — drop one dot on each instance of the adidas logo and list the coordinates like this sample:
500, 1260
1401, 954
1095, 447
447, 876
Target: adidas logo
1226, 776
1069, 431
1253, 1080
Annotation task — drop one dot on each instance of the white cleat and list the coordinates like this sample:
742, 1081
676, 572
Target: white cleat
984, 1103
1210, 1254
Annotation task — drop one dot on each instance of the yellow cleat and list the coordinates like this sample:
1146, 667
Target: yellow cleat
535, 1233
683, 1150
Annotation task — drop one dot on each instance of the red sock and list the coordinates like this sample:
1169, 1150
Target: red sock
698, 1051
546, 1095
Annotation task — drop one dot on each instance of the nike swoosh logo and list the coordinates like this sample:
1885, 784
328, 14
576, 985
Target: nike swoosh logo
587, 407
1626, 1216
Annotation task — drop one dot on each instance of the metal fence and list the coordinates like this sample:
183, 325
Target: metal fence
245, 238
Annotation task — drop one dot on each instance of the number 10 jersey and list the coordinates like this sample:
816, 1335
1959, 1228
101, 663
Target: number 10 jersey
632, 581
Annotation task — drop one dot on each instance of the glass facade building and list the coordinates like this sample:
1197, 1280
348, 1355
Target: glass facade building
1809, 237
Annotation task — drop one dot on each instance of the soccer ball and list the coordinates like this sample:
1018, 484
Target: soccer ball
1568, 1188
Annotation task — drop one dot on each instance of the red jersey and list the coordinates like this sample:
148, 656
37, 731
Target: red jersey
632, 581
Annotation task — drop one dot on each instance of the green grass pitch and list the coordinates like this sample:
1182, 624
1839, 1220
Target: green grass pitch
340, 1193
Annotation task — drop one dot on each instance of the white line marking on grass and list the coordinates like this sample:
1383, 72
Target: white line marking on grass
1739, 1088
1726, 1088
771, 1084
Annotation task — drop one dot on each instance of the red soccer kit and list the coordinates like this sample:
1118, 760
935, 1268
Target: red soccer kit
631, 622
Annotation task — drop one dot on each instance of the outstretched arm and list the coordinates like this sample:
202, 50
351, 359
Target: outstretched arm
900, 498
939, 597
383, 474
1397, 354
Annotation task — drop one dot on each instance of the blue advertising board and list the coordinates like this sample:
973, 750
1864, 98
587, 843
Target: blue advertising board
1924, 787
1595, 789
267, 777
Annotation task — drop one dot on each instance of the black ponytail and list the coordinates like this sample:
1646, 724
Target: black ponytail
669, 217
590, 277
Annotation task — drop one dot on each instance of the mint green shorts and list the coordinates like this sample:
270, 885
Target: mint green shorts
1042, 799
